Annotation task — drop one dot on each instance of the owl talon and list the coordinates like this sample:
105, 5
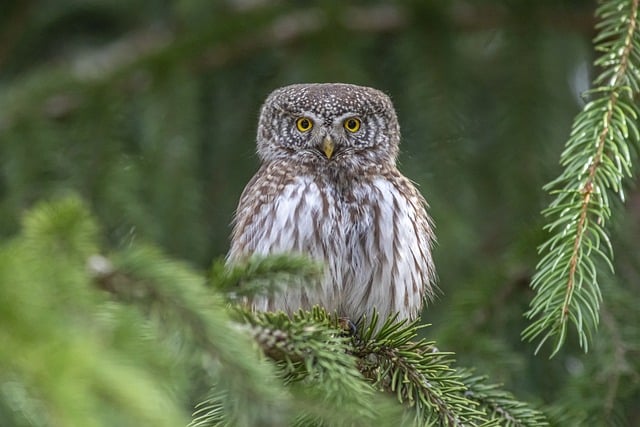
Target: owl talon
347, 325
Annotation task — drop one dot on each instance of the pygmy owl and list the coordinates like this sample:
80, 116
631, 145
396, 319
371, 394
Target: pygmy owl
328, 188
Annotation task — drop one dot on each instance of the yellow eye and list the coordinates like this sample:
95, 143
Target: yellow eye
304, 124
352, 124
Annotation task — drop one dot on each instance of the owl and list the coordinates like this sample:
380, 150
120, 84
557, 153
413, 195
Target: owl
328, 188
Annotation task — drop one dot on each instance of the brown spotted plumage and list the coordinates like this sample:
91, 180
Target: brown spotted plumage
328, 188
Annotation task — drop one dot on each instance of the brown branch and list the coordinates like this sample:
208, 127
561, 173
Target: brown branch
370, 363
588, 187
276, 344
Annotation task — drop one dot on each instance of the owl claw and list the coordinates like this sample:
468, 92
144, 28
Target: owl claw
347, 325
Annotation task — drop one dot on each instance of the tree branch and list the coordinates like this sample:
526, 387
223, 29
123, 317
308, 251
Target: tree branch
596, 159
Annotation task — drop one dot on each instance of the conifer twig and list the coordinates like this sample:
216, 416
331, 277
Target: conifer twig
499, 404
311, 346
415, 371
596, 159
141, 276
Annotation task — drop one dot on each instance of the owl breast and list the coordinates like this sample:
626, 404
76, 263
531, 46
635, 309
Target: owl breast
364, 233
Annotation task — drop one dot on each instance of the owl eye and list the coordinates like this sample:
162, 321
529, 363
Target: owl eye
352, 124
304, 124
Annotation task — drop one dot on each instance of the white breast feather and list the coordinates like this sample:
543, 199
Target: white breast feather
362, 270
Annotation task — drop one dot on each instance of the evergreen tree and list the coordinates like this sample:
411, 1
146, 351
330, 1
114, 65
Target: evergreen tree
126, 135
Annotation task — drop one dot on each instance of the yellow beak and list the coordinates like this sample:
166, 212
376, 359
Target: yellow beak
327, 146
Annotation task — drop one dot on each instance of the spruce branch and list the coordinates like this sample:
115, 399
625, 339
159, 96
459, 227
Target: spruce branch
212, 411
499, 405
170, 290
611, 369
62, 352
423, 377
418, 374
596, 159
313, 350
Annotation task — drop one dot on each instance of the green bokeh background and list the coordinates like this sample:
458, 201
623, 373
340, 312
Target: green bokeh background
148, 110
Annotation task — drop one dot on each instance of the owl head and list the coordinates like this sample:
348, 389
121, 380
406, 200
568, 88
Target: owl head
328, 124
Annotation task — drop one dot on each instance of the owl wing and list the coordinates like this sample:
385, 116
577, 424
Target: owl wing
391, 262
278, 213
281, 213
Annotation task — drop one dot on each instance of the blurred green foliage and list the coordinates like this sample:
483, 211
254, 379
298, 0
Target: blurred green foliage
148, 110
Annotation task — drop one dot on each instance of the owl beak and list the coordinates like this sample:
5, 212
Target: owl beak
327, 146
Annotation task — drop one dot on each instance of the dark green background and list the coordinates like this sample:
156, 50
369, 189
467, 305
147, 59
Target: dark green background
148, 110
